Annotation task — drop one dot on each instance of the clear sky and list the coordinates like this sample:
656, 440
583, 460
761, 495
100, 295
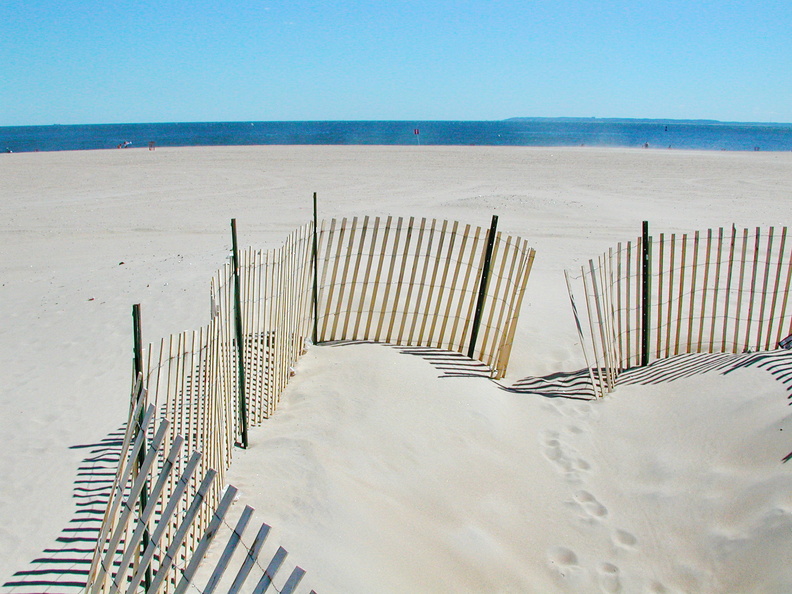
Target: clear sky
114, 61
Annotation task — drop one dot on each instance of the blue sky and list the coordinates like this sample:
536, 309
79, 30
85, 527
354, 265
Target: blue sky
107, 61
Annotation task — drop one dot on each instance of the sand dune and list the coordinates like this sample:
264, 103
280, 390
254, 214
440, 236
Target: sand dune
382, 471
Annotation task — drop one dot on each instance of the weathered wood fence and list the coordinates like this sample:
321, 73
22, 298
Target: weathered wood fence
712, 291
275, 299
403, 282
158, 545
416, 283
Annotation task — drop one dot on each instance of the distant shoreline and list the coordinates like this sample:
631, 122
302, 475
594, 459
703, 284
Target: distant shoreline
646, 121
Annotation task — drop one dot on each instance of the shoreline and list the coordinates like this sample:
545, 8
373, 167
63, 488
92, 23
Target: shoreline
409, 146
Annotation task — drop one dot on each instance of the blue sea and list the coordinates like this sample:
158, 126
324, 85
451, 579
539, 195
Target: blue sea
676, 134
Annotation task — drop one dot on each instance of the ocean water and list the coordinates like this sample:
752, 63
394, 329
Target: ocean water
675, 134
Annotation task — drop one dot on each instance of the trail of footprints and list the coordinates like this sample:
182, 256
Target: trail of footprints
558, 447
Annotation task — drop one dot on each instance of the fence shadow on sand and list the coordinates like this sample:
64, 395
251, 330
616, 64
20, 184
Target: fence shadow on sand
576, 385
64, 567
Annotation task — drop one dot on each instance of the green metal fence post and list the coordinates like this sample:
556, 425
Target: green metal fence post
137, 337
243, 421
485, 274
315, 258
646, 285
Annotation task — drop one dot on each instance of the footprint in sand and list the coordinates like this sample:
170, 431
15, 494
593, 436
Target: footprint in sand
609, 578
581, 410
590, 505
564, 561
563, 456
625, 539
562, 556
549, 437
552, 449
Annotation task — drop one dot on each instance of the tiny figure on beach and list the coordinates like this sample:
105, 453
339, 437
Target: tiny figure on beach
646, 145
124, 144
8, 150
151, 145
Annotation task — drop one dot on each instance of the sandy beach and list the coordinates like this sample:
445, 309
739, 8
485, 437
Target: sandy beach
380, 471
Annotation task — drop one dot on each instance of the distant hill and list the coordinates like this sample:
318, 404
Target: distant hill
619, 121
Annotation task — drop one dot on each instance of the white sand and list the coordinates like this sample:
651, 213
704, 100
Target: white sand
378, 473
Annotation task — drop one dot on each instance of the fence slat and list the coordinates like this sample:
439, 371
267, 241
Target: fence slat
780, 335
122, 477
269, 573
206, 540
419, 305
141, 480
470, 300
776, 284
411, 284
182, 533
517, 299
680, 300
250, 559
752, 291
388, 281
702, 315
501, 325
765, 280
364, 289
294, 580
437, 262
601, 361
493, 292
377, 274
355, 271
692, 303
156, 535
442, 286
453, 291
228, 551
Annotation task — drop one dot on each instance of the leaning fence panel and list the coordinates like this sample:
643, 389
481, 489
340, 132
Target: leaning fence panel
712, 291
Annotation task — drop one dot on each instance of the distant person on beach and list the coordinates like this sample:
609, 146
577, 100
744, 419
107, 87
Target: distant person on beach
151, 145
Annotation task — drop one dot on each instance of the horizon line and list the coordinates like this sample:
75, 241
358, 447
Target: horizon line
414, 121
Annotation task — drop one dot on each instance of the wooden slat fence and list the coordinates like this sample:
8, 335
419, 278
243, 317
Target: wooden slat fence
723, 290
415, 283
276, 291
183, 516
403, 282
